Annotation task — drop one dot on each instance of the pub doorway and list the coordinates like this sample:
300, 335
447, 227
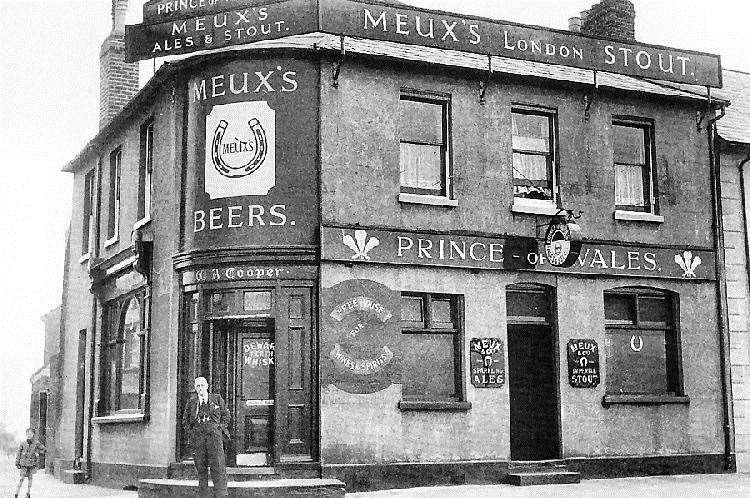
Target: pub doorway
532, 374
257, 348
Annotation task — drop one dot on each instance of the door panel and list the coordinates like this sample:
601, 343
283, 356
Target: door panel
532, 381
294, 411
254, 396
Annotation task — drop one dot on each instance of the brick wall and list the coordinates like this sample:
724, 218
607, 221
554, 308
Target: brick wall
738, 301
614, 19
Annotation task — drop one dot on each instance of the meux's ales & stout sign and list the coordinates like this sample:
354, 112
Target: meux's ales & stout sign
510, 253
184, 26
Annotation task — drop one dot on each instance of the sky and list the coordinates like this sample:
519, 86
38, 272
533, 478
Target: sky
49, 76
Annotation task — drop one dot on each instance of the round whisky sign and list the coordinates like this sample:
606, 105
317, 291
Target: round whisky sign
562, 243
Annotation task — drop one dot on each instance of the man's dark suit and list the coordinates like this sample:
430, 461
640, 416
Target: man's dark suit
205, 425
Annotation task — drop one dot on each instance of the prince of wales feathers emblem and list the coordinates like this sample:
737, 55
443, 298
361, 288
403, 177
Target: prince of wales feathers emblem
688, 263
360, 244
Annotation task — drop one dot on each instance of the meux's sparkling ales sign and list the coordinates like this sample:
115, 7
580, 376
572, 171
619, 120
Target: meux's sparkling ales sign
184, 26
510, 253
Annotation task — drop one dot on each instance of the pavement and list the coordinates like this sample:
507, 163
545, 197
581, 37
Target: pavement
693, 486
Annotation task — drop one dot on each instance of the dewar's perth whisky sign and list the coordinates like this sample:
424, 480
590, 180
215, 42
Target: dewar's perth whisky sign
174, 27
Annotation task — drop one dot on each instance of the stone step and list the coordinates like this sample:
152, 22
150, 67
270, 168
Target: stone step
534, 478
187, 471
272, 488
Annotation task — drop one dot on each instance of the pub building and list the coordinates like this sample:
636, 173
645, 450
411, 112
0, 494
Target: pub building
405, 246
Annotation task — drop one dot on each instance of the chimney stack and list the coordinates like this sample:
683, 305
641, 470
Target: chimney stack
118, 80
613, 19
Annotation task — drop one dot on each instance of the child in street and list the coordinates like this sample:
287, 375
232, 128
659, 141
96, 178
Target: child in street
27, 459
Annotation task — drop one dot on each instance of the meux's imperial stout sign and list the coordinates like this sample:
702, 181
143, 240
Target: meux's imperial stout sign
184, 26
509, 253
583, 363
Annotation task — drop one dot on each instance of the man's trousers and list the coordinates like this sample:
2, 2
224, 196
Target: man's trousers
208, 446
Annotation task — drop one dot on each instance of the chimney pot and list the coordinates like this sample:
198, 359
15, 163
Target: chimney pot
574, 24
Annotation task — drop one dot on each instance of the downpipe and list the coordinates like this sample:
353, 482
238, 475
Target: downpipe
730, 463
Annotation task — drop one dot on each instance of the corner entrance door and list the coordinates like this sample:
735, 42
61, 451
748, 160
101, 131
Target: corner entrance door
532, 374
254, 398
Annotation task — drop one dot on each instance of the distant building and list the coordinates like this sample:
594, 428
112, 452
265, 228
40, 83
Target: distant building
45, 387
361, 232
734, 146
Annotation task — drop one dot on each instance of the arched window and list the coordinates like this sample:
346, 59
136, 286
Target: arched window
642, 349
124, 355
132, 336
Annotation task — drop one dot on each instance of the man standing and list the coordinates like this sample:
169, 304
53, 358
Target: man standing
205, 422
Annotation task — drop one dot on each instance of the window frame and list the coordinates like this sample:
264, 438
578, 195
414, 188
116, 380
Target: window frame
113, 352
553, 166
675, 388
145, 171
113, 208
429, 327
648, 170
445, 192
87, 218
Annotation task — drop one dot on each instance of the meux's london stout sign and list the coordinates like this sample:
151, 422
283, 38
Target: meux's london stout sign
509, 253
184, 26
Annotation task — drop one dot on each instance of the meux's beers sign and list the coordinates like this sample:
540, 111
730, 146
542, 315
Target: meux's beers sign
184, 26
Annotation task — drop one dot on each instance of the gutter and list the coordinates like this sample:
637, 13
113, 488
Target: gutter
730, 463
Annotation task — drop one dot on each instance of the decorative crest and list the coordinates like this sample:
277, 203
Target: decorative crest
688, 263
360, 244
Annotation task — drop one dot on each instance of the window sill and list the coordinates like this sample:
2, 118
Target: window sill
84, 258
430, 200
421, 405
643, 399
638, 216
547, 209
142, 222
120, 418
110, 242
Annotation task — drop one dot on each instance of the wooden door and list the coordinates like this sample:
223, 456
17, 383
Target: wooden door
254, 395
532, 381
295, 422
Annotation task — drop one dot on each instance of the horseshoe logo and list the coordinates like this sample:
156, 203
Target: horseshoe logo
258, 146
632, 343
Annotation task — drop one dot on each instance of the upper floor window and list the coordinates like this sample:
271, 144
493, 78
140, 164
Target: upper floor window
534, 161
115, 170
424, 138
145, 170
431, 338
87, 222
124, 355
642, 342
634, 165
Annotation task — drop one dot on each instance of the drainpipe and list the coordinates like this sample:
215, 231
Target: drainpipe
92, 339
744, 214
721, 302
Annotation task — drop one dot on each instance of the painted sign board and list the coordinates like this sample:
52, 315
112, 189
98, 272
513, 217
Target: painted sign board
234, 273
158, 11
237, 26
487, 360
404, 24
179, 27
360, 336
510, 253
583, 363
252, 144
